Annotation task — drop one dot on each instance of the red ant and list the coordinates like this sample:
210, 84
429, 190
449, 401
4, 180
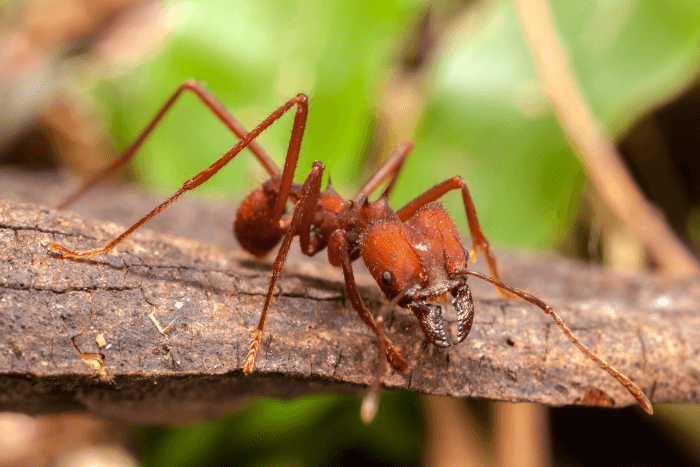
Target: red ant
415, 254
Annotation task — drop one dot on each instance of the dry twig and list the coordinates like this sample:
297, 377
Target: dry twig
594, 147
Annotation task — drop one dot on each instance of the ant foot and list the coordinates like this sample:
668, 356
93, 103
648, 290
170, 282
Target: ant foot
55, 249
370, 405
252, 353
395, 359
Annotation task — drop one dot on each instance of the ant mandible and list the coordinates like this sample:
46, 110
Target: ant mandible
414, 254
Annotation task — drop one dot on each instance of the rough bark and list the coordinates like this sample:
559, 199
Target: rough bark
646, 326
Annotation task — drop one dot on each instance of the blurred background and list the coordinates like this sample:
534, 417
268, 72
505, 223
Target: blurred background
80, 79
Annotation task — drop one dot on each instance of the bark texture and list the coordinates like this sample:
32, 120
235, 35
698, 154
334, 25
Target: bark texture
646, 326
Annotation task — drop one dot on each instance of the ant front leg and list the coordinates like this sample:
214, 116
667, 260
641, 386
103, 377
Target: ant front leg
300, 101
436, 192
206, 97
338, 256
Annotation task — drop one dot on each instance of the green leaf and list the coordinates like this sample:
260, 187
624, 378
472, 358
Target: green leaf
489, 120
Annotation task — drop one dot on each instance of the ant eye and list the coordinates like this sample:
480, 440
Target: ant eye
387, 277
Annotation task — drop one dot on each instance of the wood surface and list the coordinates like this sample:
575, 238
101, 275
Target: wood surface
187, 270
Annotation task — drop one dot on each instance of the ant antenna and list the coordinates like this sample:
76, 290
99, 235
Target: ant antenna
623, 380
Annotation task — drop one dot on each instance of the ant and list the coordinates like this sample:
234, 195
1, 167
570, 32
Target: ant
415, 253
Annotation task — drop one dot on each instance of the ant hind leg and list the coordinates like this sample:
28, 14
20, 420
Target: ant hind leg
208, 99
300, 101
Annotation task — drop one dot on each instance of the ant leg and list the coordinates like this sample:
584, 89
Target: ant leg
211, 102
301, 101
338, 256
305, 206
370, 402
622, 379
390, 168
478, 238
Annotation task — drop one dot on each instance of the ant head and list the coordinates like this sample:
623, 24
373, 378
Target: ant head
386, 249
425, 251
421, 259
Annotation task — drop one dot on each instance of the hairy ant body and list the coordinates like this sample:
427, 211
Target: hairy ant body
414, 254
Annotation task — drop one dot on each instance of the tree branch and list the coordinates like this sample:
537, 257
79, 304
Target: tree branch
647, 326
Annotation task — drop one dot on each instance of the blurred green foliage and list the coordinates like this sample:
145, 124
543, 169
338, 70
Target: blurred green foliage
323, 429
486, 118
255, 55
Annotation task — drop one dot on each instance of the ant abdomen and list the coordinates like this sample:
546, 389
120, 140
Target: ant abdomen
253, 227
